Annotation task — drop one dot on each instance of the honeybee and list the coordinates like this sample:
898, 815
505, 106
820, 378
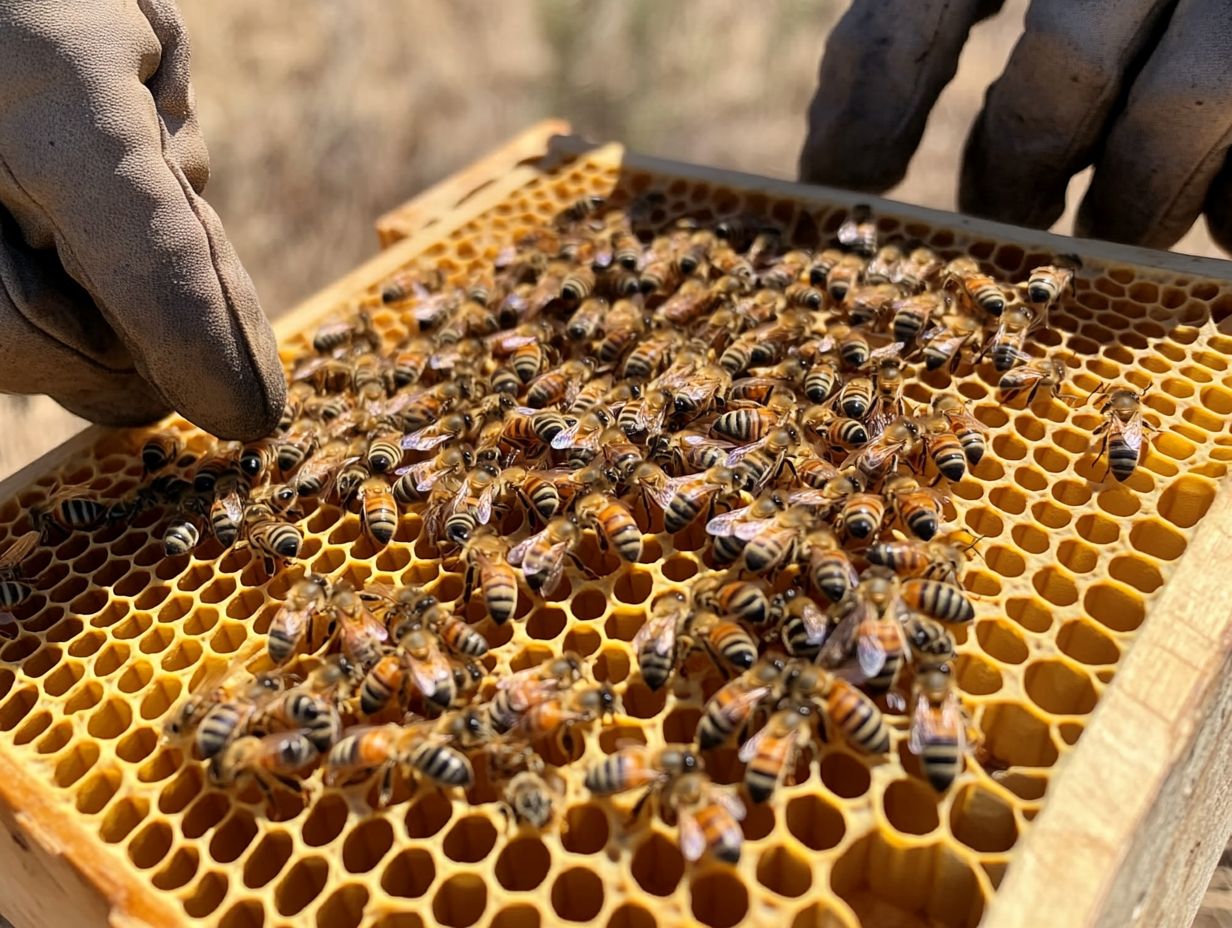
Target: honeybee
682, 499
829, 568
542, 555
584, 433
882, 267
319, 470
378, 509
823, 262
938, 560
853, 347
13, 588
1045, 284
911, 315
768, 542
743, 599
622, 327
859, 231
529, 794
180, 537
579, 211
846, 273
938, 730
488, 567
228, 716
1006, 343
230, 682
384, 452
929, 641
1121, 430
969, 430
918, 509
733, 704
655, 642
68, 509
451, 427
900, 440
728, 643
843, 706
635, 767
387, 748
427, 665
936, 598
812, 469
307, 707
976, 288
417, 479
945, 344
802, 624
557, 716
1037, 374
270, 536
834, 430
708, 818
870, 627
159, 451
273, 759
362, 636
822, 380
772, 750
461, 509
760, 462
562, 384
917, 268
518, 693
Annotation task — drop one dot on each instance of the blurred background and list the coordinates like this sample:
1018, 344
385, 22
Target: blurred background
321, 115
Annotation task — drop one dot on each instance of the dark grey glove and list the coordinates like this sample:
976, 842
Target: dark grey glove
120, 295
1142, 89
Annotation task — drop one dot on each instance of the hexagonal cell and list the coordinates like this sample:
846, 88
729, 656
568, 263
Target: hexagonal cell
1001, 640
470, 839
1087, 644
584, 829
888, 884
1114, 606
522, 865
718, 900
577, 895
910, 807
1017, 737
409, 874
814, 822
459, 901
1058, 688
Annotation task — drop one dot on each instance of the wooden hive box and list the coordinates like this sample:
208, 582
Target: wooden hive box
1096, 669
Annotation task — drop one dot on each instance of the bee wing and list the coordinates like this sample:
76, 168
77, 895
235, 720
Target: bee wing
659, 630
870, 655
563, 440
809, 497
233, 506
518, 552
692, 838
839, 645
923, 728
892, 350
734, 457
8, 625
483, 511
962, 418
816, 623
730, 802
19, 550
425, 439
556, 567
749, 749
378, 591
429, 674
1131, 433
725, 523
664, 493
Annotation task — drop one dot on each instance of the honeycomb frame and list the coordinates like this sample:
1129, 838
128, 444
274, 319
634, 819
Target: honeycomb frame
1130, 626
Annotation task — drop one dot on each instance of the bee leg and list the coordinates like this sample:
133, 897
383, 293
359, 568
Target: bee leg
636, 812
386, 791
577, 562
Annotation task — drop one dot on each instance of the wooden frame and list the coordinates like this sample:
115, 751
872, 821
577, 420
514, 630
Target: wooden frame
1137, 816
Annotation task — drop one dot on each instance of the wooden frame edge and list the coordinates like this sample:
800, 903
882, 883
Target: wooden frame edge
412, 216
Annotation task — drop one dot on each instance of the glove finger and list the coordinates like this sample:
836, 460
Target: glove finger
1218, 207
173, 92
1167, 145
125, 221
1043, 118
53, 341
884, 65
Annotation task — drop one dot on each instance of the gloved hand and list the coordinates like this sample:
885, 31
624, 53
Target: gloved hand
1143, 95
120, 296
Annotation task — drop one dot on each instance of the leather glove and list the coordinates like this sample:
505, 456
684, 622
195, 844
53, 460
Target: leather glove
1142, 89
120, 296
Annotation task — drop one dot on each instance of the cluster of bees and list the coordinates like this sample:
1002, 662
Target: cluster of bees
608, 377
